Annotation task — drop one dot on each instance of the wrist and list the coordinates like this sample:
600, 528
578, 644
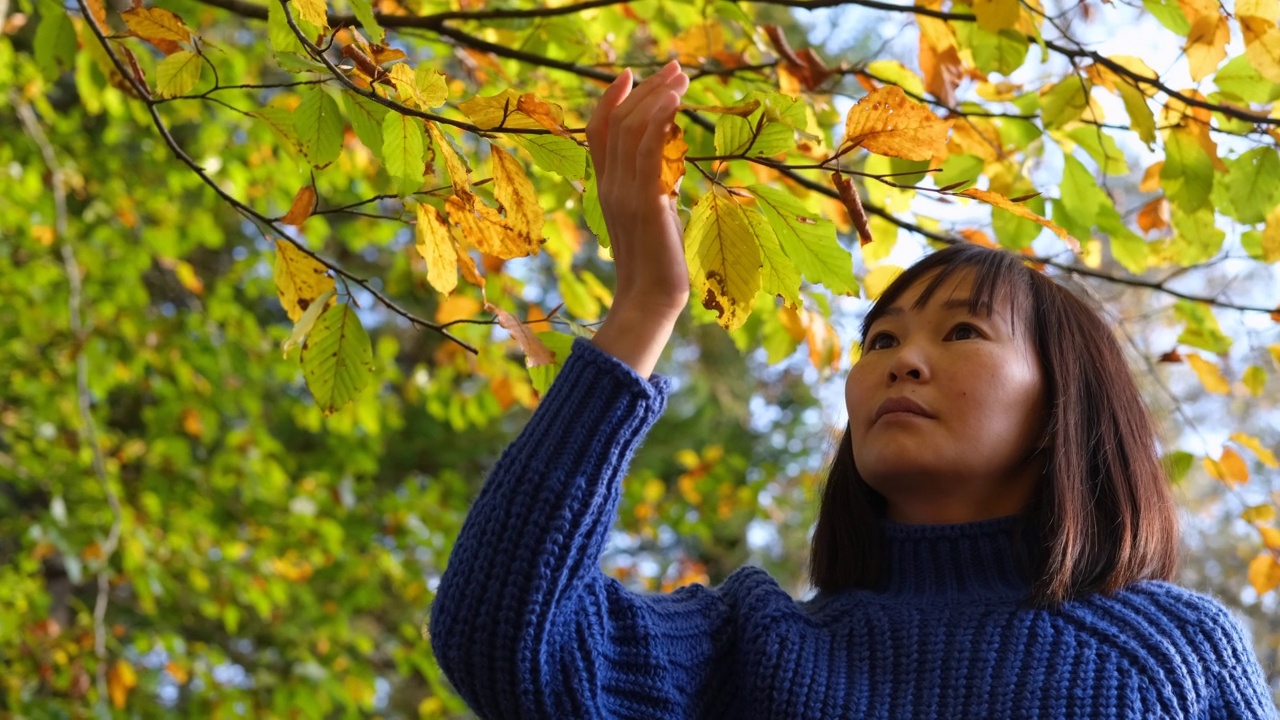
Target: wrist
636, 336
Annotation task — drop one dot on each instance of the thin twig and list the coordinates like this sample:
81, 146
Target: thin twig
88, 430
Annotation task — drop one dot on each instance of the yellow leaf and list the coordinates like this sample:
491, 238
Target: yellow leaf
1210, 375
191, 422
291, 567
1259, 513
996, 15
1271, 237
535, 353
1267, 457
516, 197
457, 170
308, 320
435, 245
432, 86
1207, 43
501, 110
457, 307
312, 11
1262, 45
121, 678
886, 122
406, 83
1004, 203
879, 279
178, 73
1264, 573
467, 265
299, 279
156, 24
1229, 469
724, 257
1275, 352
699, 43
1270, 537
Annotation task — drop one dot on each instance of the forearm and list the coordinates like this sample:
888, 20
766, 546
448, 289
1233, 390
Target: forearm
635, 336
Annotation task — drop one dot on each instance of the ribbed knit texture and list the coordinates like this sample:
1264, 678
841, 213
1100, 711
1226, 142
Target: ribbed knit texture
525, 624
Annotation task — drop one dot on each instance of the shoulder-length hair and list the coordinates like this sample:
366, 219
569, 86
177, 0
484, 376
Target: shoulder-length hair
1101, 518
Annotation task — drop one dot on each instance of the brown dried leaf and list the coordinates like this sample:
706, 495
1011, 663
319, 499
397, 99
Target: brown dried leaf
544, 113
853, 204
304, 203
535, 353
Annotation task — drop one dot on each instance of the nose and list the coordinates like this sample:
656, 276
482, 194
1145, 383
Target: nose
908, 363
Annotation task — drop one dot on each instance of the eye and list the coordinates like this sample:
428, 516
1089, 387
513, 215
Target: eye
964, 331
880, 341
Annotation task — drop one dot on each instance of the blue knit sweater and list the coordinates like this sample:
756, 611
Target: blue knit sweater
526, 625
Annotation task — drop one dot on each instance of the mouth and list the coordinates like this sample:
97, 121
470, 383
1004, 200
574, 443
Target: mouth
903, 405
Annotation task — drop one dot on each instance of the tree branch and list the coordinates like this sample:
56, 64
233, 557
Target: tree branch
144, 93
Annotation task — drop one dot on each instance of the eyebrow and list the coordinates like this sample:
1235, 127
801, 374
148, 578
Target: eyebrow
952, 304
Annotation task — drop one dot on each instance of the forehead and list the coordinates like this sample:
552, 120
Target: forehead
983, 291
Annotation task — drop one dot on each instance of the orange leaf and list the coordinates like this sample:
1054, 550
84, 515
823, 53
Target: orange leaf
548, 116
304, 203
535, 353
942, 71
886, 122
1154, 215
467, 265
191, 422
1151, 178
674, 150
1004, 203
1230, 469
157, 26
121, 678
99, 11
1264, 573
978, 237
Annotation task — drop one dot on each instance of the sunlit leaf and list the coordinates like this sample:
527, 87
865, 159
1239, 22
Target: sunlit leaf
299, 279
319, 125
337, 359
1264, 573
724, 257
1230, 469
435, 245
312, 11
1265, 456
178, 73
307, 321
886, 122
402, 148
1210, 375
1004, 203
808, 240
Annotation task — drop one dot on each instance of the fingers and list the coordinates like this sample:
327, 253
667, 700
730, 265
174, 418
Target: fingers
628, 122
598, 126
648, 163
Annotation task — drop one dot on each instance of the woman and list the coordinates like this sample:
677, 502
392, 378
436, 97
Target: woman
995, 537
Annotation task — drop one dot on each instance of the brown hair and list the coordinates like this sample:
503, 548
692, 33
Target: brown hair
1102, 516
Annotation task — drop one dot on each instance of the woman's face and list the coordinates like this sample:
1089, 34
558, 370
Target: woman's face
947, 410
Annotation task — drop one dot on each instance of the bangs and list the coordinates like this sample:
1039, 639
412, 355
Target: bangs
998, 277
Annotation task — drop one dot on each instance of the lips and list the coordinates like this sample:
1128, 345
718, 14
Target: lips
902, 405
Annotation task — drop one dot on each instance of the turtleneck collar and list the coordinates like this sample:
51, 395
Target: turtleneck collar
957, 563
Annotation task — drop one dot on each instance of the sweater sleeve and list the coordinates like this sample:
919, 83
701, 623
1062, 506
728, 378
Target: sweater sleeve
524, 623
1236, 675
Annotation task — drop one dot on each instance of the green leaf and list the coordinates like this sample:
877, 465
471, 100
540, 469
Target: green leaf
1240, 78
402, 148
543, 375
1200, 328
319, 125
1253, 185
1196, 237
734, 136
1177, 464
1080, 199
1255, 380
279, 34
895, 73
367, 117
959, 168
561, 156
1127, 247
779, 275
1012, 231
808, 240
280, 121
363, 10
1001, 52
55, 41
337, 359
1141, 118
593, 213
1065, 102
178, 73
1187, 175
1169, 13
1102, 148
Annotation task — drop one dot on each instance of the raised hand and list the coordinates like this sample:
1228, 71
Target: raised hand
626, 134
